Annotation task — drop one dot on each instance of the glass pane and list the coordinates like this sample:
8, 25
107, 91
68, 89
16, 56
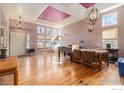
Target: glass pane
40, 30
48, 31
55, 32
112, 42
48, 43
28, 41
109, 19
59, 33
40, 43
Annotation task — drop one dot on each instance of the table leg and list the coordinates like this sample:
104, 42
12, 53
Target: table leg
64, 53
100, 62
16, 77
107, 60
71, 57
58, 53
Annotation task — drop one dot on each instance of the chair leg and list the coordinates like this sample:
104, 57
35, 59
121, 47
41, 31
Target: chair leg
107, 59
16, 77
107, 63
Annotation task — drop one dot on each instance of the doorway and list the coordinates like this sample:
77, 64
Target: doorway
17, 43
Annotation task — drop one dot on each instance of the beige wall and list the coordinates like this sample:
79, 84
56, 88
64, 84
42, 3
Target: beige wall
28, 28
78, 31
120, 26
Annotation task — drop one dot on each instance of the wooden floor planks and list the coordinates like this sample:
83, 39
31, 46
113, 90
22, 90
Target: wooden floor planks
47, 69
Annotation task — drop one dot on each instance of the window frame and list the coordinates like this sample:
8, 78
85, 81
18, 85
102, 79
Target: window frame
103, 25
116, 38
48, 35
111, 26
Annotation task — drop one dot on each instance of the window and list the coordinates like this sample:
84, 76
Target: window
48, 31
109, 19
48, 37
56, 38
55, 32
110, 36
40, 30
48, 43
40, 43
28, 41
40, 38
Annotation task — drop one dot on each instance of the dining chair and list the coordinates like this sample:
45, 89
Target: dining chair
90, 59
105, 58
76, 55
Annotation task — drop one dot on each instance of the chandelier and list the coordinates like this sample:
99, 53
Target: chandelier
93, 17
19, 25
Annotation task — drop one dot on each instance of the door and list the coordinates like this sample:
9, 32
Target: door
17, 43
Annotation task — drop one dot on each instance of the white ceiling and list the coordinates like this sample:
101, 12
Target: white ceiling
30, 12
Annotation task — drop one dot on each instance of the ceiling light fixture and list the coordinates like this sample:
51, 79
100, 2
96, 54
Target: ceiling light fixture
93, 17
19, 25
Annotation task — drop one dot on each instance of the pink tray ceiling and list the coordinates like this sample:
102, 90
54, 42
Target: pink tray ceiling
53, 15
87, 5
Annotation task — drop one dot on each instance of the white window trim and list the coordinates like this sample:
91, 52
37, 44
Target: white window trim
115, 12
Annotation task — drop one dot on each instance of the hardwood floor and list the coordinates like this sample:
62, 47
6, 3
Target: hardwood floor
47, 69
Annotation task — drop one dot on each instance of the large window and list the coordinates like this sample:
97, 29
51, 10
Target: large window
110, 34
48, 37
109, 19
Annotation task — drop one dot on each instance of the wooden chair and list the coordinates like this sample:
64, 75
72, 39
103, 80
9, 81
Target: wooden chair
90, 58
105, 58
76, 56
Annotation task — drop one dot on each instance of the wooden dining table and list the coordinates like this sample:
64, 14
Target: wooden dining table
99, 53
9, 66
